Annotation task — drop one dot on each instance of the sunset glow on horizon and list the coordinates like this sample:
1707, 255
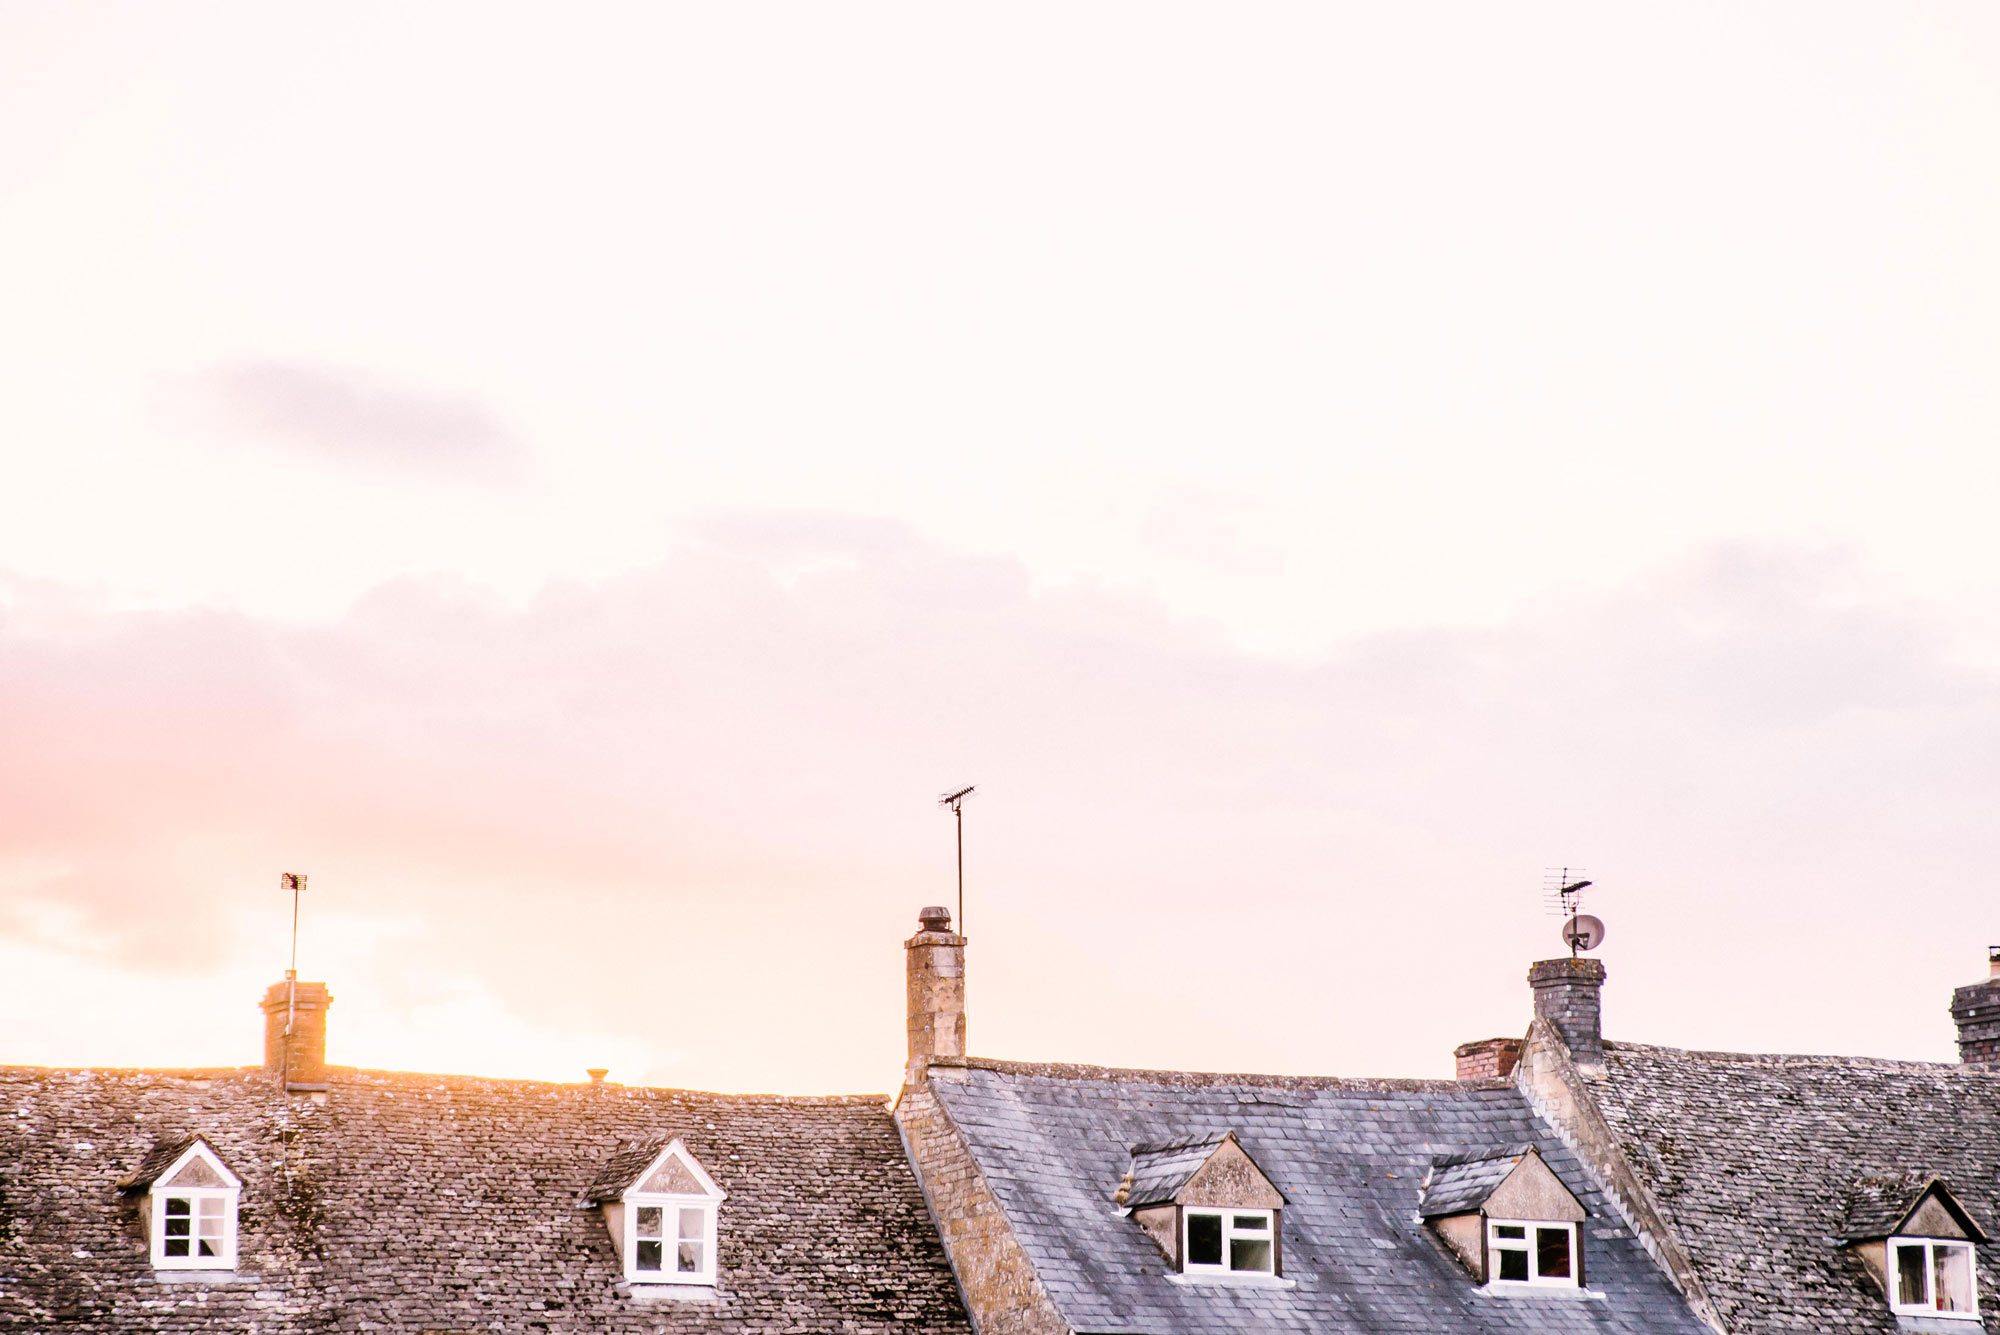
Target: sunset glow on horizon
580, 485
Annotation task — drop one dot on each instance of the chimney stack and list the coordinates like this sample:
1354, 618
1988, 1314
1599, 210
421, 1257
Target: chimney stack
1488, 1058
1568, 996
936, 963
298, 1059
1976, 1007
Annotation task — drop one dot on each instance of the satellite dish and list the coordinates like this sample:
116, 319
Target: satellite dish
1583, 932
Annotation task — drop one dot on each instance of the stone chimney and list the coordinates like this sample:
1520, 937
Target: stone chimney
298, 1058
1488, 1059
936, 961
1976, 1007
1568, 996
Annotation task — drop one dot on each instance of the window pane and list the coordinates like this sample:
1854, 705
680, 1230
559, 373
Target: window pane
1953, 1274
649, 1221
1509, 1231
1255, 1222
1250, 1254
1552, 1253
1204, 1233
648, 1257
1911, 1282
690, 1258
176, 1205
176, 1247
691, 1229
208, 1247
1513, 1264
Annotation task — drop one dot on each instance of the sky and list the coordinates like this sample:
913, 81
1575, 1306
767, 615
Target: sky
578, 482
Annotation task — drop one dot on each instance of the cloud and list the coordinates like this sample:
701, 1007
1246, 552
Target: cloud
352, 417
691, 811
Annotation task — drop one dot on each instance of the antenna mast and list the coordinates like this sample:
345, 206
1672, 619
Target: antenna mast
1580, 930
954, 801
296, 883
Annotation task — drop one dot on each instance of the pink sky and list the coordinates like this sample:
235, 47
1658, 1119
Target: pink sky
578, 485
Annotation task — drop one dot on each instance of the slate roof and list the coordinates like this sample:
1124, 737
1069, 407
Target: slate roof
437, 1203
1350, 1155
1461, 1182
1160, 1170
1755, 1161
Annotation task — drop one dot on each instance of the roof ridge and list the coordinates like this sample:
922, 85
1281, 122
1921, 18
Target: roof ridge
1794, 1058
372, 1075
1140, 1075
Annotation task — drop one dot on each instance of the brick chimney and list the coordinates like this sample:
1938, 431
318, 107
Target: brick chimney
1567, 995
300, 1058
1976, 1007
936, 961
1488, 1058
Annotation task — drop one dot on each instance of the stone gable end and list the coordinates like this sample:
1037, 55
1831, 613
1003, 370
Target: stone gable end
1230, 1178
1533, 1191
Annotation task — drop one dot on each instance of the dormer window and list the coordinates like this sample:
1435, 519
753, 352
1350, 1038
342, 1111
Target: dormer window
1917, 1240
1522, 1251
1229, 1242
661, 1208
189, 1214
1932, 1277
1208, 1207
1511, 1221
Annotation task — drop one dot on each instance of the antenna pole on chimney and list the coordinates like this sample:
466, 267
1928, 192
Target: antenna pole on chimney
954, 801
294, 882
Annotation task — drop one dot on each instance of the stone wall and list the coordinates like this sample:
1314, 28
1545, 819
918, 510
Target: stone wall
995, 1277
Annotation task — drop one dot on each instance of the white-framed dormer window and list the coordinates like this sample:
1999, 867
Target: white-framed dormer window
1523, 1251
665, 1222
1932, 1277
1229, 1242
190, 1213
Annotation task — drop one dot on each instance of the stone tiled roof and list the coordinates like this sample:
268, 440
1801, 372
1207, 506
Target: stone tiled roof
431, 1203
1878, 1205
1162, 1169
1462, 1182
1350, 1157
1756, 1160
157, 1161
622, 1169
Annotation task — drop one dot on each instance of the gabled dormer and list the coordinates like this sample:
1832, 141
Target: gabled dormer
1508, 1217
1208, 1206
1917, 1240
662, 1209
189, 1213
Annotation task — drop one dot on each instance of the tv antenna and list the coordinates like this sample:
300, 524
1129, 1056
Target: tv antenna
295, 882
1563, 893
954, 801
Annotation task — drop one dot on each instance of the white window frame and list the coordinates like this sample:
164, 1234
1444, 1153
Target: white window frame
225, 1198
1535, 1279
708, 1202
1925, 1307
1269, 1233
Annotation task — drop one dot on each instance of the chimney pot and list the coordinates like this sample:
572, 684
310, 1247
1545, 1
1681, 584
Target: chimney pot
1568, 994
297, 1058
597, 1073
934, 919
